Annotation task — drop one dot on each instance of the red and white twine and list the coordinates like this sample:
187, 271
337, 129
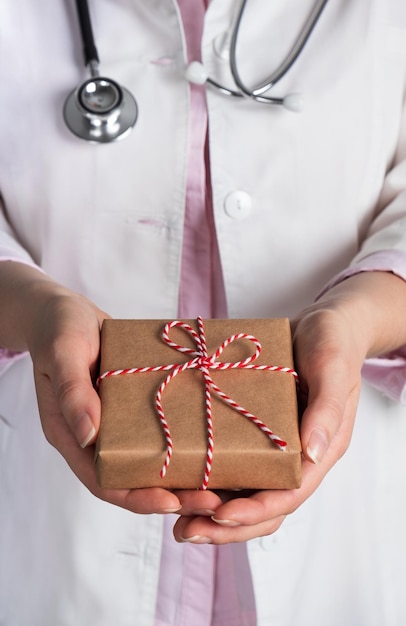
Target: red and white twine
204, 363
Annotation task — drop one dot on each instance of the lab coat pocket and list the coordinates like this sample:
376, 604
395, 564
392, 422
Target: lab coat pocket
132, 262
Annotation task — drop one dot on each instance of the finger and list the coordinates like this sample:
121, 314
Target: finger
329, 371
196, 502
65, 355
81, 462
78, 401
330, 413
70, 394
263, 506
58, 432
201, 530
141, 501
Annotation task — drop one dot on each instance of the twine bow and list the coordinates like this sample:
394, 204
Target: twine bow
202, 361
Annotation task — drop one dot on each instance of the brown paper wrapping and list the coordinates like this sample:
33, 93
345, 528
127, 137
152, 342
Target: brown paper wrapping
131, 447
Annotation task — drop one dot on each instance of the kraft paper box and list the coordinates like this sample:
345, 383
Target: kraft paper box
131, 447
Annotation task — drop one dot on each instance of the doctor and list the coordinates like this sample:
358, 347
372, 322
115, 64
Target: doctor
221, 207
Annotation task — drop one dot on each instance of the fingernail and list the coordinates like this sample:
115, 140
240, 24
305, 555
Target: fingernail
172, 510
317, 446
84, 430
196, 539
226, 522
204, 512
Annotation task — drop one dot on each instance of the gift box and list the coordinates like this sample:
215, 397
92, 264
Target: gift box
195, 404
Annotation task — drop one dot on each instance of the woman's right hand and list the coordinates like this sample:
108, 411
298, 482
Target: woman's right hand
61, 330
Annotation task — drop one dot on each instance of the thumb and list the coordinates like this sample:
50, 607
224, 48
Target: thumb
328, 418
66, 391
78, 401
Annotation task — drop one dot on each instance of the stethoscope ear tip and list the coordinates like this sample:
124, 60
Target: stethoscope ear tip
294, 102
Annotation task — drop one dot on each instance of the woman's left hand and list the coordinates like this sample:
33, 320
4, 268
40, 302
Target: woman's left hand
331, 339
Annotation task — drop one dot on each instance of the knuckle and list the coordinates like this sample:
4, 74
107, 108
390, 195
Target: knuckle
66, 389
291, 503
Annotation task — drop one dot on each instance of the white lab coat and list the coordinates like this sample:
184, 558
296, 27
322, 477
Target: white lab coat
108, 221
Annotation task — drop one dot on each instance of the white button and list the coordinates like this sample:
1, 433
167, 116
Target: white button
221, 45
238, 204
195, 73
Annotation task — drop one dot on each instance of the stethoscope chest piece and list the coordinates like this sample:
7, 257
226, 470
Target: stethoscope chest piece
100, 110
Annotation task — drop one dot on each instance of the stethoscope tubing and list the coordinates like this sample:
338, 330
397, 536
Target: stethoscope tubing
256, 93
93, 120
90, 53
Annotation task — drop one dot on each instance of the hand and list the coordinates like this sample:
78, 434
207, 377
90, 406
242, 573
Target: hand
331, 340
61, 329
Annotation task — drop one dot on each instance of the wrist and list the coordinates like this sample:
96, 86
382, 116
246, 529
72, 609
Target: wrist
26, 291
373, 305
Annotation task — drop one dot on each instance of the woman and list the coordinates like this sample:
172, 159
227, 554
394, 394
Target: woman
236, 209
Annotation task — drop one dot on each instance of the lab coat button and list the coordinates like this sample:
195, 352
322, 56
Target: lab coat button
238, 205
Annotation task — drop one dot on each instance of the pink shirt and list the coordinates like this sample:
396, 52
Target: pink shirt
203, 585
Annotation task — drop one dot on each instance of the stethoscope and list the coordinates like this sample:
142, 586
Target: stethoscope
100, 110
